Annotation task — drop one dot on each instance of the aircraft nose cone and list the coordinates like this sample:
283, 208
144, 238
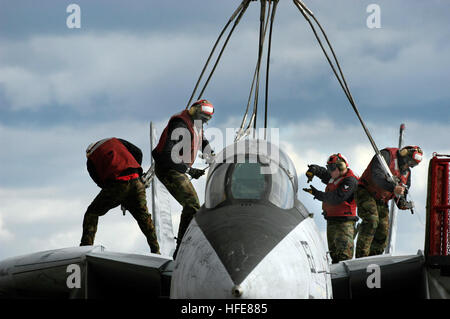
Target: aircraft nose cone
242, 235
255, 263
237, 291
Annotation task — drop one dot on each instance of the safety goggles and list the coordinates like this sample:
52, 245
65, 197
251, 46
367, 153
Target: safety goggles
331, 167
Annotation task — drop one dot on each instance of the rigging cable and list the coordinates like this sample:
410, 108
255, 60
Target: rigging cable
238, 19
241, 132
268, 63
237, 15
262, 34
240, 10
252, 122
305, 11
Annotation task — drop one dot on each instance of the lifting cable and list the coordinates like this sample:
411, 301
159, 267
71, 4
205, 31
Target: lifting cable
236, 17
267, 66
305, 12
240, 133
239, 12
263, 30
262, 35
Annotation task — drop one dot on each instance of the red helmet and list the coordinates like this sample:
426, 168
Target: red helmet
202, 110
336, 161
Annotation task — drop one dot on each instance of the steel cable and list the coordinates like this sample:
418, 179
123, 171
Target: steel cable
268, 66
233, 16
236, 22
305, 12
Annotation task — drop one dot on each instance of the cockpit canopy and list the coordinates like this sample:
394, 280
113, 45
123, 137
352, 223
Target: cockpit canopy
252, 170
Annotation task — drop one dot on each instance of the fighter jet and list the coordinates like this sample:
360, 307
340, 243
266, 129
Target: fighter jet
252, 238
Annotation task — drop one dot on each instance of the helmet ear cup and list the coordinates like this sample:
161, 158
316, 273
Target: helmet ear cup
404, 152
193, 110
342, 162
341, 165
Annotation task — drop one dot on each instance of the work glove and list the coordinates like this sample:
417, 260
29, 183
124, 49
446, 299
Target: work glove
209, 157
312, 190
403, 204
195, 172
311, 172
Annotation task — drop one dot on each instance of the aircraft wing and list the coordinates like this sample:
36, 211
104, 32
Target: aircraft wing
85, 272
381, 276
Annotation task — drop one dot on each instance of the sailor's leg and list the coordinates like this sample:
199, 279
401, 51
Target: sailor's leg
380, 239
331, 234
367, 211
108, 198
343, 240
136, 203
181, 188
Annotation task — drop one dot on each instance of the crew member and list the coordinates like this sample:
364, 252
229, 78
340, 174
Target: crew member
176, 152
115, 166
338, 204
375, 191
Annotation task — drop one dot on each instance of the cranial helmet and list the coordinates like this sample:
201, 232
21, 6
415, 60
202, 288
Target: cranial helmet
413, 154
93, 146
202, 110
336, 160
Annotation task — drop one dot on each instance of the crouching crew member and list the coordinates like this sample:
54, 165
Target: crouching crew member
374, 193
115, 166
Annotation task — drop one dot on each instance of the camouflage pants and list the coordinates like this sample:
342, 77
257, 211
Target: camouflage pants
132, 196
181, 188
372, 236
340, 239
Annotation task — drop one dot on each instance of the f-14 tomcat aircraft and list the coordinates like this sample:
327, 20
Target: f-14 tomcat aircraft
252, 238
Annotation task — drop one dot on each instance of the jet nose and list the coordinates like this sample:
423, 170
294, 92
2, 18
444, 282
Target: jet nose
242, 235
222, 247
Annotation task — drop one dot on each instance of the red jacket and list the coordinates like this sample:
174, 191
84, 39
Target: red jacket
110, 159
196, 136
344, 209
378, 192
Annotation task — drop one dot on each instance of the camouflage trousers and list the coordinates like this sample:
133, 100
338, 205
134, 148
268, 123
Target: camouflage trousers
131, 194
340, 239
181, 188
372, 236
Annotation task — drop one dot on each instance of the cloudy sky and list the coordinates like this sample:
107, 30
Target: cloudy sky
132, 62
